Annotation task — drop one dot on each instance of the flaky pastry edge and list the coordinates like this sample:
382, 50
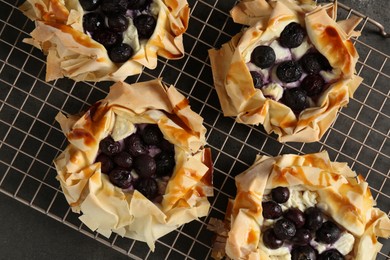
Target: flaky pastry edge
265, 20
71, 53
107, 208
342, 194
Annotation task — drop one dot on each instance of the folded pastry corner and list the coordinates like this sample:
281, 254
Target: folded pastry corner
291, 69
138, 199
349, 222
82, 43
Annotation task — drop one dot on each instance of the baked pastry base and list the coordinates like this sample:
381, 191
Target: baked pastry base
265, 20
341, 194
107, 208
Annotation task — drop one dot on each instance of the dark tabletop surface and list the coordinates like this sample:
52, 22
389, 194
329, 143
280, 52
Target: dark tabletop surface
26, 233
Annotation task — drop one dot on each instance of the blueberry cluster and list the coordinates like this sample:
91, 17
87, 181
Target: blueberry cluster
140, 161
289, 71
297, 228
106, 21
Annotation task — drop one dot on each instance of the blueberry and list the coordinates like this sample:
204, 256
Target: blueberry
107, 37
148, 187
135, 146
145, 25
280, 194
289, 71
109, 147
305, 252
121, 177
325, 65
270, 240
313, 84
311, 62
93, 22
263, 56
296, 99
302, 237
118, 23
257, 79
292, 35
314, 218
331, 254
165, 162
123, 159
114, 6
271, 210
166, 146
296, 216
328, 233
120, 53
144, 165
106, 164
152, 135
138, 4
89, 5
284, 229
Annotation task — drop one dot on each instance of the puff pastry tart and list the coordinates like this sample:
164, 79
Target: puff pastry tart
290, 69
301, 207
101, 40
136, 163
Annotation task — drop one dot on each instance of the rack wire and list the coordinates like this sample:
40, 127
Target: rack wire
30, 139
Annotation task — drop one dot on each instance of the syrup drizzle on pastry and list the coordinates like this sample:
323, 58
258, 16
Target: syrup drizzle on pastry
316, 185
58, 13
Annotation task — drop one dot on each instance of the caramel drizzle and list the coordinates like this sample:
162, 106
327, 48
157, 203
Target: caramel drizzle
325, 178
336, 46
180, 120
246, 200
79, 37
207, 178
95, 121
253, 237
57, 17
58, 13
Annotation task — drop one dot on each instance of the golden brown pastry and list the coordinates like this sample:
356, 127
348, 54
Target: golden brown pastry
168, 178
107, 42
337, 206
290, 70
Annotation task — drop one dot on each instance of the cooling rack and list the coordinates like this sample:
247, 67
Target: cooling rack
30, 138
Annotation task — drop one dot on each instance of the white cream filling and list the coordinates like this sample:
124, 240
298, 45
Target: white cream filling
300, 199
130, 36
281, 53
273, 90
344, 244
122, 128
299, 51
263, 72
154, 8
329, 75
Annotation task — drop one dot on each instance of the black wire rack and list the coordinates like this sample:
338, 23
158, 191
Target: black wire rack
30, 138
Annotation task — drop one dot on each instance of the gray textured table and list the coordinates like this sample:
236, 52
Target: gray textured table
27, 233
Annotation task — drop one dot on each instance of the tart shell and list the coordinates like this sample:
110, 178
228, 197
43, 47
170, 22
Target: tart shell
265, 20
72, 53
107, 208
342, 194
